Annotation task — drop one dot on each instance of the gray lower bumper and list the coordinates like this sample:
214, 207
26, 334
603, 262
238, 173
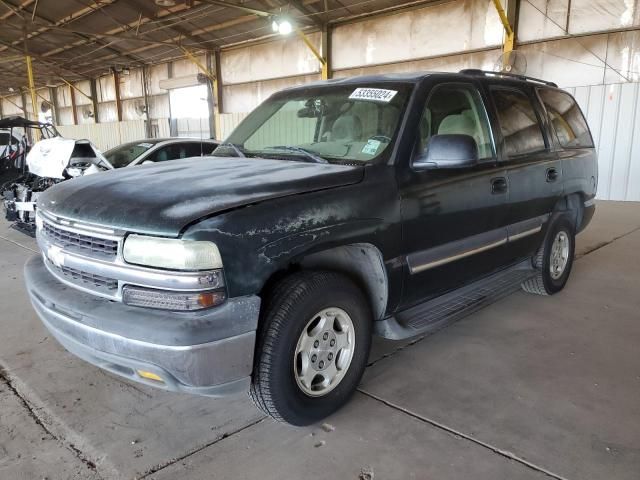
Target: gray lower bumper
91, 328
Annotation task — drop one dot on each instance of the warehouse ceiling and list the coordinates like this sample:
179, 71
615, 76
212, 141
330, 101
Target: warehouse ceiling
79, 39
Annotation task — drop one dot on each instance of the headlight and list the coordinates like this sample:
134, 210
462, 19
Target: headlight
171, 253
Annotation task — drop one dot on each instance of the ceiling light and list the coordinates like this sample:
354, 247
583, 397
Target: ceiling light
285, 27
281, 26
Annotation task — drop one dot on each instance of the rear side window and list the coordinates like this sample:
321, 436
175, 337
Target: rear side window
518, 122
567, 119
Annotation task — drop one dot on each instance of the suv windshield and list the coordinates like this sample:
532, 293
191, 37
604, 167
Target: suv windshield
123, 155
346, 123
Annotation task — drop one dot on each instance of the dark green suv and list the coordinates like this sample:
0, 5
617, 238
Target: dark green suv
339, 209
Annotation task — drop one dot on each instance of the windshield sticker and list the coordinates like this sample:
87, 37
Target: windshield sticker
373, 94
145, 145
371, 147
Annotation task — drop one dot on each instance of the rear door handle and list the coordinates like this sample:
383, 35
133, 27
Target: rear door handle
552, 174
498, 185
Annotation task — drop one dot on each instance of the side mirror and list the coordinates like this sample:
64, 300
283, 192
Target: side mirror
448, 151
147, 162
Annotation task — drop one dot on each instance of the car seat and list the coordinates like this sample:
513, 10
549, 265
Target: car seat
347, 127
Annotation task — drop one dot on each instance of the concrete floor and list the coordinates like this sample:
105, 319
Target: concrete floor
528, 388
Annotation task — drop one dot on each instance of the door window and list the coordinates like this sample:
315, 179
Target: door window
456, 109
170, 152
567, 119
518, 122
194, 149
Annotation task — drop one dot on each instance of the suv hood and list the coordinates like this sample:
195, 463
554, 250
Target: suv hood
162, 199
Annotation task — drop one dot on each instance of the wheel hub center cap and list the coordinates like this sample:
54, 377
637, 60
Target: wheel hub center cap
325, 348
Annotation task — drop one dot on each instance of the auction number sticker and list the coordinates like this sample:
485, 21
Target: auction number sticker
373, 94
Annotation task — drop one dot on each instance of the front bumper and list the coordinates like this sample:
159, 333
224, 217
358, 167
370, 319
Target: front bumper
209, 352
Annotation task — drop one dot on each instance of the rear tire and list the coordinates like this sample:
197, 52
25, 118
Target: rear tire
313, 345
554, 259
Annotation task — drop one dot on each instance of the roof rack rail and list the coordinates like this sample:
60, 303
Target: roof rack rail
477, 71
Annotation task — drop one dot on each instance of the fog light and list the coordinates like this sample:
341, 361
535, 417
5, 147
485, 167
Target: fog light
171, 300
150, 375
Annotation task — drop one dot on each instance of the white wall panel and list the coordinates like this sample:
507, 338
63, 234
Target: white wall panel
159, 106
131, 84
83, 86
247, 96
435, 30
9, 106
591, 60
65, 116
612, 114
157, 73
85, 114
598, 15
107, 112
452, 63
63, 95
539, 19
133, 109
623, 57
281, 58
106, 88
186, 66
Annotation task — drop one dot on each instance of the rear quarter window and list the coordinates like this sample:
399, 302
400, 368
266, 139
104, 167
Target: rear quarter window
567, 119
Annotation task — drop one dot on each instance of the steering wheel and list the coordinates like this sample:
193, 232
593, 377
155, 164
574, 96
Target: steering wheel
381, 138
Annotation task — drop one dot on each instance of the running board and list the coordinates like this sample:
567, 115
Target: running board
452, 306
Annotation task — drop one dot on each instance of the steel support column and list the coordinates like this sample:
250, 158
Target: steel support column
509, 32
145, 90
326, 52
211, 98
116, 83
74, 110
53, 95
32, 88
94, 99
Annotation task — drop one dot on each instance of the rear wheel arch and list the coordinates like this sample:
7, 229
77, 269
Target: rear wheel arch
571, 205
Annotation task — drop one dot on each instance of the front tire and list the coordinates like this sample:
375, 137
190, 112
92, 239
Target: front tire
554, 259
313, 345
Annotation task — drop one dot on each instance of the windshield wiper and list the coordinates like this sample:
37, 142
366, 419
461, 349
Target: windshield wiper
310, 155
236, 149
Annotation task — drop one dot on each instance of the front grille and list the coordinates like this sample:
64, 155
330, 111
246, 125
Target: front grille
90, 279
102, 247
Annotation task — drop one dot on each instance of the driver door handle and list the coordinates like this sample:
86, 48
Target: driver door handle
499, 185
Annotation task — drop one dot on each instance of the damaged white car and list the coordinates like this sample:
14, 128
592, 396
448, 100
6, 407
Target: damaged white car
49, 161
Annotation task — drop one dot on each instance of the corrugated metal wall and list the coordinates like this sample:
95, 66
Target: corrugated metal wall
612, 113
229, 121
105, 135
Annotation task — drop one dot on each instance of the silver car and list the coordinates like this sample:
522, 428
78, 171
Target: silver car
154, 150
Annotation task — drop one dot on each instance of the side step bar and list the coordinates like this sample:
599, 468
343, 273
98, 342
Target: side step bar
452, 306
